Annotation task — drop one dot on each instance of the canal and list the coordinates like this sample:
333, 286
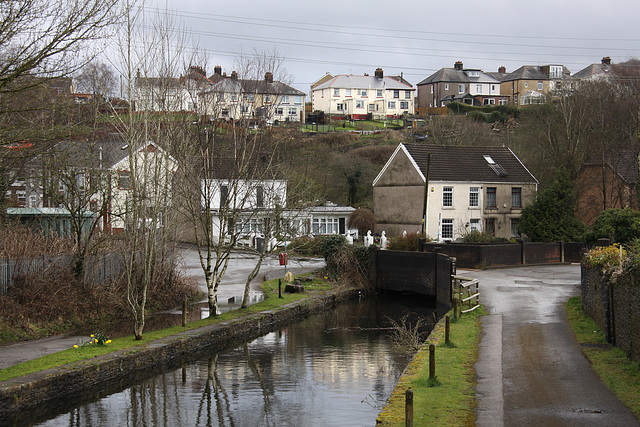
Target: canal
335, 368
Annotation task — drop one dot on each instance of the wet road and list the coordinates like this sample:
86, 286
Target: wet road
531, 370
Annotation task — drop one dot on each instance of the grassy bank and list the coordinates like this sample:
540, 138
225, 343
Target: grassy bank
452, 401
88, 351
619, 373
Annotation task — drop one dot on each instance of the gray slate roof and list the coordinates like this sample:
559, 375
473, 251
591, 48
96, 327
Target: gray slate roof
451, 75
593, 70
364, 82
532, 72
467, 164
228, 85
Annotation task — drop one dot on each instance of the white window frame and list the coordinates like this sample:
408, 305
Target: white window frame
447, 196
391, 105
359, 103
461, 88
348, 92
404, 105
407, 93
475, 225
379, 93
474, 197
336, 91
447, 228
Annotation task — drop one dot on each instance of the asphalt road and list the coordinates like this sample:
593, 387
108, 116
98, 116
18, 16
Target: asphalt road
530, 370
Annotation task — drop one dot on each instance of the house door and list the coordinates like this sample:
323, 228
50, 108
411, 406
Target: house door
341, 226
490, 226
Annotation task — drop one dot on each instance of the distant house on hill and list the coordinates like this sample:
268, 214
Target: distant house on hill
455, 190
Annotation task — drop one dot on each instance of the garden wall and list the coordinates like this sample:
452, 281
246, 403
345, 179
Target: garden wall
613, 304
469, 255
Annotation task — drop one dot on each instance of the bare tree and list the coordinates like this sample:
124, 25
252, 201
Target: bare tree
49, 38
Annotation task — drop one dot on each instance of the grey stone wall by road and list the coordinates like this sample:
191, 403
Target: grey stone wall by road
613, 303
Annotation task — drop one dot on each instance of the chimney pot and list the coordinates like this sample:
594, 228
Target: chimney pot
606, 60
234, 75
502, 70
217, 70
268, 77
458, 65
379, 73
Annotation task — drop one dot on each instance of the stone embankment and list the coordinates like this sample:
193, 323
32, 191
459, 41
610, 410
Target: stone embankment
90, 379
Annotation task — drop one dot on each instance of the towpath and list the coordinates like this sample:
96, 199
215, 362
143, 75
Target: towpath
530, 370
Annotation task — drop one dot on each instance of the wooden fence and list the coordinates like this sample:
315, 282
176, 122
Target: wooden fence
466, 294
97, 269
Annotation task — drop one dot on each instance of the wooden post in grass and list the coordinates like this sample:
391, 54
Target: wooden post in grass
447, 329
279, 288
184, 312
408, 408
432, 361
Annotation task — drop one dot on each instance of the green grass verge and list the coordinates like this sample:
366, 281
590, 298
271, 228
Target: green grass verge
85, 352
451, 401
617, 371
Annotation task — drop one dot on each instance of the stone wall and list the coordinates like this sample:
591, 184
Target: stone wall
613, 304
86, 380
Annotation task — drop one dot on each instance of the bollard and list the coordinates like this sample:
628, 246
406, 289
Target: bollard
447, 330
408, 408
455, 307
184, 312
279, 288
432, 361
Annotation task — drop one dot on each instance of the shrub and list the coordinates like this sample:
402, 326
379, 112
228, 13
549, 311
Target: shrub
329, 245
351, 264
605, 257
410, 242
619, 225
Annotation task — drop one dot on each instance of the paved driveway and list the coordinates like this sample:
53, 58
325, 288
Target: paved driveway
530, 370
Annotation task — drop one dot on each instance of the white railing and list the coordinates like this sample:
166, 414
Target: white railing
466, 294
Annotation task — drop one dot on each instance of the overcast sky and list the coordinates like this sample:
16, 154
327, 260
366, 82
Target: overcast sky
415, 38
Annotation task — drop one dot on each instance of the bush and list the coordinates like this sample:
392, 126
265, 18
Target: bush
619, 225
410, 242
605, 257
305, 246
351, 264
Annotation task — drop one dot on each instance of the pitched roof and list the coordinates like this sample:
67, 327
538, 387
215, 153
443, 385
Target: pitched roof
364, 82
624, 162
533, 72
452, 75
229, 84
593, 70
469, 164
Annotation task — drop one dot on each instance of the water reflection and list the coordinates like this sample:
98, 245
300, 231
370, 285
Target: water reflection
330, 369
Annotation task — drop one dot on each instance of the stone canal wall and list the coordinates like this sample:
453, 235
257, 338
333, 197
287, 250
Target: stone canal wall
68, 385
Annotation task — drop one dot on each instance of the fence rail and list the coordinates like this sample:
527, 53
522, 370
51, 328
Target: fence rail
466, 292
97, 269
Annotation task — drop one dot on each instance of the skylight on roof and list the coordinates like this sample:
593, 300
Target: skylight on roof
489, 159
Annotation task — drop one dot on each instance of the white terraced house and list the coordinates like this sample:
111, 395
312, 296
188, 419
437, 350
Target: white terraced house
364, 97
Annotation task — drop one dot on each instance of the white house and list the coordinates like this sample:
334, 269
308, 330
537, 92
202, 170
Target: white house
447, 192
231, 98
362, 97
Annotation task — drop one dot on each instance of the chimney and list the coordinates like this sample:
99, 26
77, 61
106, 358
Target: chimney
379, 74
197, 69
606, 60
458, 65
234, 75
268, 77
217, 70
502, 69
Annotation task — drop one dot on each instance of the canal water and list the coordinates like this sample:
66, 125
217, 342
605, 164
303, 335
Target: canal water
335, 368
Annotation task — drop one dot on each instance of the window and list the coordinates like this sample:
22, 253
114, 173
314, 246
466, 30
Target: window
474, 224
539, 85
447, 196
407, 93
285, 99
379, 93
224, 194
474, 199
340, 107
491, 197
447, 228
391, 105
493, 87
526, 84
260, 196
460, 88
124, 180
234, 97
489, 101
446, 86
251, 97
348, 92
479, 88
362, 92
372, 107
267, 98
555, 71
404, 105
225, 112
516, 197
221, 97
359, 104
336, 92
298, 100
490, 226
279, 111
502, 101
293, 111
33, 202
514, 227
396, 94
